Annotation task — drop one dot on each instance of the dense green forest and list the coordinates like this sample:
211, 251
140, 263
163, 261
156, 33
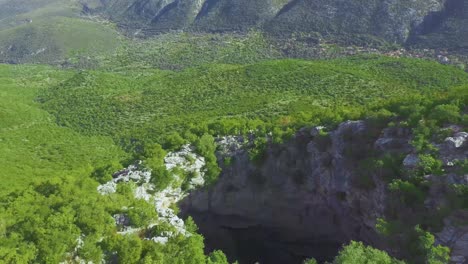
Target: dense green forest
63, 132
109, 118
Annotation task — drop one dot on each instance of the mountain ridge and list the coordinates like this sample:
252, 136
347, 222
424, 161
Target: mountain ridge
402, 22
29, 31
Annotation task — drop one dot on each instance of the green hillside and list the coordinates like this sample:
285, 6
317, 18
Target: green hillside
54, 39
51, 31
53, 120
153, 103
63, 131
112, 112
33, 147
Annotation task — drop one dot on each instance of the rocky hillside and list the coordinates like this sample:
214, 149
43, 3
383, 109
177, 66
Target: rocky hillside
447, 28
348, 21
51, 31
311, 195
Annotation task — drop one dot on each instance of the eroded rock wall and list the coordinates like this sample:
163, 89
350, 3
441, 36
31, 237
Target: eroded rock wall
302, 198
309, 196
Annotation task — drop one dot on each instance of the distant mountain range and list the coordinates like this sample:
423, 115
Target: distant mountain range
50, 30
431, 23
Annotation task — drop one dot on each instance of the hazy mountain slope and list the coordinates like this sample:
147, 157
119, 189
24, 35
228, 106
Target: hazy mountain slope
54, 39
48, 31
36, 31
391, 20
428, 23
14, 13
448, 28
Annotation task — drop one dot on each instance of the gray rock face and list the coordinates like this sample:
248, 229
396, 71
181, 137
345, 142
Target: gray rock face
455, 235
121, 220
305, 199
457, 140
394, 140
411, 161
454, 149
301, 196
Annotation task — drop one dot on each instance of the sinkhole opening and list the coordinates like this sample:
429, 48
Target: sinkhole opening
250, 243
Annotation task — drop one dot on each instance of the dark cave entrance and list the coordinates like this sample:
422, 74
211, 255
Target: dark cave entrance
249, 244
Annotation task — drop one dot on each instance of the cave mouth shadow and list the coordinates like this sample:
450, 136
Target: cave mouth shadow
249, 244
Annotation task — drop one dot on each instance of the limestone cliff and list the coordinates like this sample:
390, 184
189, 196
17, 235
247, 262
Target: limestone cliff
307, 197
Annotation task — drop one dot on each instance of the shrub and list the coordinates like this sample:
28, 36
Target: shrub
384, 227
257, 152
357, 252
460, 195
206, 147
310, 261
429, 165
410, 194
424, 251
173, 141
104, 174
141, 213
446, 113
216, 257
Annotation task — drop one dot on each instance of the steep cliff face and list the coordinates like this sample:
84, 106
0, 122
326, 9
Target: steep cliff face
302, 201
308, 197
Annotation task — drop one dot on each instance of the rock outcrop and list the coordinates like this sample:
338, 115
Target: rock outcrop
307, 197
455, 236
301, 201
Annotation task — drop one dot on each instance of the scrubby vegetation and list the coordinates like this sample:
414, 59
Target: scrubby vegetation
63, 132
233, 99
113, 100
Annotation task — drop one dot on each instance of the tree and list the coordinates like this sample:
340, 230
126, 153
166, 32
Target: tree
129, 248
409, 193
14, 249
423, 248
206, 147
173, 141
446, 113
154, 159
141, 213
310, 261
217, 257
104, 174
154, 156
357, 252
90, 251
